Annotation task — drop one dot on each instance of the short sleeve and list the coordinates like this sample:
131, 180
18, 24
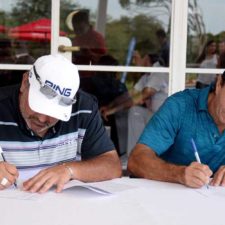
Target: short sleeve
140, 85
157, 81
96, 140
161, 130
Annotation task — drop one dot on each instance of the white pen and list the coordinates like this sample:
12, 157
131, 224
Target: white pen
196, 154
3, 157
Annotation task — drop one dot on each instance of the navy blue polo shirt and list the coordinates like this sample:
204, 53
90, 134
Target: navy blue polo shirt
83, 135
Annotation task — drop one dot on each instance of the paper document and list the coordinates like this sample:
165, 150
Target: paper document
211, 191
204, 191
104, 187
77, 183
19, 194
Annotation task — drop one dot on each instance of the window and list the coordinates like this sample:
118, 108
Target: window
205, 41
121, 28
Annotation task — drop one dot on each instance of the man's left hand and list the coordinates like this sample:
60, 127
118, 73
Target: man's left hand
219, 177
45, 179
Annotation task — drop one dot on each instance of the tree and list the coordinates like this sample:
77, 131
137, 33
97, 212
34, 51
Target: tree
30, 10
196, 28
120, 32
157, 8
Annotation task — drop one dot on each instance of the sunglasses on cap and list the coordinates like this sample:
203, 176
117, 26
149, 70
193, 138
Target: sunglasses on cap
50, 93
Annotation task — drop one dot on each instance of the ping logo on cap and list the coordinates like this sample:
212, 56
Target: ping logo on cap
62, 91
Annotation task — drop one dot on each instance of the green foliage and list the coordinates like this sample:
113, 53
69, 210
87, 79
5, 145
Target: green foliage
31, 10
124, 3
120, 32
2, 17
117, 38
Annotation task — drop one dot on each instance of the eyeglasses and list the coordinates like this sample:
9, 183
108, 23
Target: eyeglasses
50, 93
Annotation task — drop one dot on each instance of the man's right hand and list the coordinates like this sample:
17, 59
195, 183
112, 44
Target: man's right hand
104, 112
196, 175
8, 175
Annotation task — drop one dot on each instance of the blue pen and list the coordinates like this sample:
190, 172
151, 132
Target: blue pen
196, 154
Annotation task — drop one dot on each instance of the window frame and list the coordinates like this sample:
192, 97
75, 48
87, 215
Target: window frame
177, 69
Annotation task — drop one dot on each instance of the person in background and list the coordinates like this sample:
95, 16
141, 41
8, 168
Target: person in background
21, 53
164, 52
91, 45
21, 56
47, 124
106, 84
221, 47
165, 150
143, 100
221, 61
207, 59
107, 87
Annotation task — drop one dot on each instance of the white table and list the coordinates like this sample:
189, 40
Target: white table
151, 203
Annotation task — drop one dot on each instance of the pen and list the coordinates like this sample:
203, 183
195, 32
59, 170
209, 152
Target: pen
3, 157
196, 154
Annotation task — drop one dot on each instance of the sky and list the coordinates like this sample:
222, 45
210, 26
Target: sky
212, 11
213, 15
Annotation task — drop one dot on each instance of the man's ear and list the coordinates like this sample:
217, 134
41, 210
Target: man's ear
25, 82
218, 84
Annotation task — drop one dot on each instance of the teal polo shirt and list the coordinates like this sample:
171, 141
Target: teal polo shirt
183, 116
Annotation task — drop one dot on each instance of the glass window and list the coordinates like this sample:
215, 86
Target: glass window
206, 38
25, 28
122, 33
205, 31
118, 29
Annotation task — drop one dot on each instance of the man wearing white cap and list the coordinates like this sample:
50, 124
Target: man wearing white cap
47, 123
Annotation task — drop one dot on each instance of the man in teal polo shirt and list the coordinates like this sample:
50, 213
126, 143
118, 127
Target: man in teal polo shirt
164, 151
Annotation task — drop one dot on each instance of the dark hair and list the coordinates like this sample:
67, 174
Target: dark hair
202, 56
213, 85
107, 60
6, 51
223, 78
161, 33
153, 57
81, 16
221, 61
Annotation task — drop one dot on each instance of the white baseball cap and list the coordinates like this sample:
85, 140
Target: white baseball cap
54, 82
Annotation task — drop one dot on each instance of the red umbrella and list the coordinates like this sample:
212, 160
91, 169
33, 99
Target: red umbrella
2, 29
39, 30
